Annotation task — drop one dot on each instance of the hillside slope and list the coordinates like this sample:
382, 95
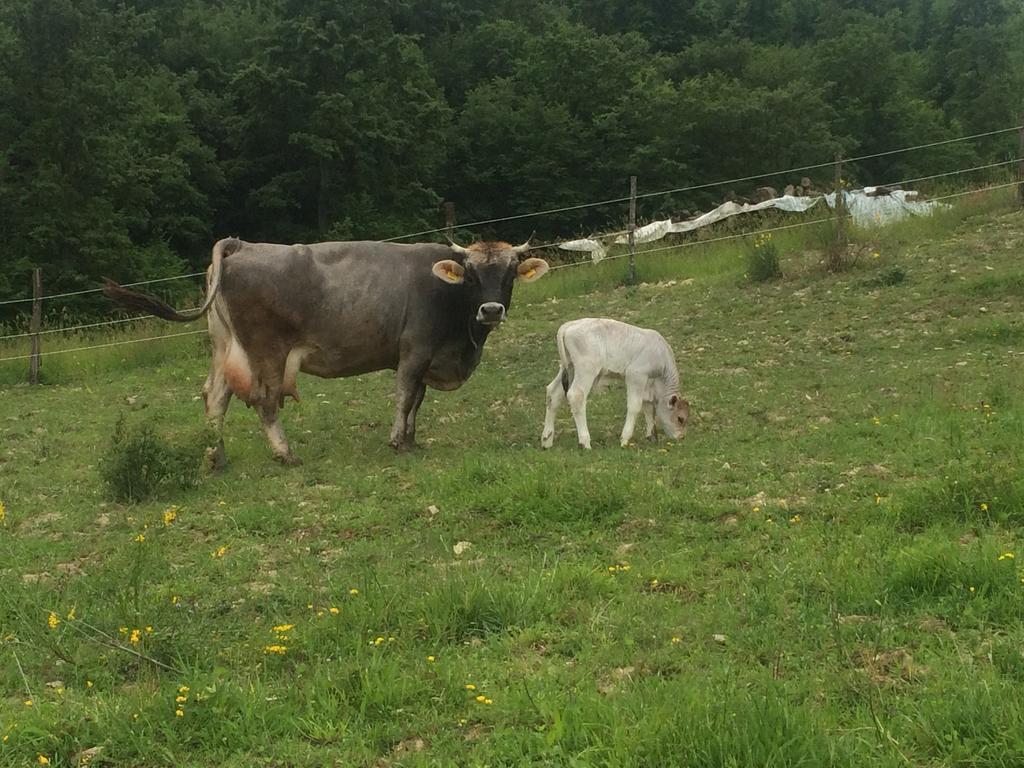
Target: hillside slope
824, 572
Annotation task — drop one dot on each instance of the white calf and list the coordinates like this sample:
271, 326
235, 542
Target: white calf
592, 350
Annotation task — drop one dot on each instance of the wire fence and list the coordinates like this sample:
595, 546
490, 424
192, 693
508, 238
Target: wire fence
550, 211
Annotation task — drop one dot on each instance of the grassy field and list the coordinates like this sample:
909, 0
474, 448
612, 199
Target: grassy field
827, 571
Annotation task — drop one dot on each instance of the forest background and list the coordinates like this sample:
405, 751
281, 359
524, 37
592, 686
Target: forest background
134, 134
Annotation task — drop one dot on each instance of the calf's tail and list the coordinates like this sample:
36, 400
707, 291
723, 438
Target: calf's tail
567, 368
145, 302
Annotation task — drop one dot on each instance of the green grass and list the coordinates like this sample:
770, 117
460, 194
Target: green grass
816, 576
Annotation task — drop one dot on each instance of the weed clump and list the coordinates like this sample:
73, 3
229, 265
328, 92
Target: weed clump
139, 464
894, 275
763, 260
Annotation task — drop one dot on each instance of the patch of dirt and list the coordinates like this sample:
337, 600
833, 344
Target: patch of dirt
637, 524
614, 681
889, 669
401, 750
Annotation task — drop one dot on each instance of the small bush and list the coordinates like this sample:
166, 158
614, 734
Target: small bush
139, 463
763, 260
894, 275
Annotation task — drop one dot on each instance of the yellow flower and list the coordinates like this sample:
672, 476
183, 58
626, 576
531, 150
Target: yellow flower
140, 538
88, 683
174, 599
795, 519
149, 630
283, 627
676, 640
3, 512
488, 701
378, 640
123, 630
983, 506
972, 589
353, 591
334, 610
179, 713
756, 509
1006, 556
481, 698
470, 687
43, 760
280, 650
181, 698
430, 659
52, 620
134, 637
184, 689
71, 614
170, 515
28, 702
219, 552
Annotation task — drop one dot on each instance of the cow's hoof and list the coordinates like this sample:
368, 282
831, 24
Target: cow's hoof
547, 440
288, 459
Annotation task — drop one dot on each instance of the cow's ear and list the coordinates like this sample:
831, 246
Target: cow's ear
532, 269
449, 271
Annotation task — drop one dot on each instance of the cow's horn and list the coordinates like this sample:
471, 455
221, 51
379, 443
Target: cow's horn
525, 246
456, 247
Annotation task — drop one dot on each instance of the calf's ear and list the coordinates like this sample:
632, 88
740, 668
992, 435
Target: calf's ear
532, 269
449, 271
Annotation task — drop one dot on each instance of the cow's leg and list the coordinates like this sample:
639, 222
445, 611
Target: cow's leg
555, 398
410, 421
582, 383
634, 403
408, 390
218, 396
649, 422
268, 410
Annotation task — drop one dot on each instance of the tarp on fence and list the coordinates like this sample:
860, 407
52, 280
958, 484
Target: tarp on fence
866, 208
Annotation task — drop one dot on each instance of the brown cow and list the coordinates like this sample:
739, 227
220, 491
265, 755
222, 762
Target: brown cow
342, 309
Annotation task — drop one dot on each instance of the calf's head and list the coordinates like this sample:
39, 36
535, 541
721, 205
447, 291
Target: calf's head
487, 272
673, 413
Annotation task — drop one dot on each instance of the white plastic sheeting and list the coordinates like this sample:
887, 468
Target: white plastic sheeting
866, 210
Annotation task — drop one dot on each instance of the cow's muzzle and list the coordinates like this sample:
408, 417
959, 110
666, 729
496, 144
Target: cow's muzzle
490, 313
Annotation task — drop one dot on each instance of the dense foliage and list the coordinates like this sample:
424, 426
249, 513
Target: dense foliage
134, 133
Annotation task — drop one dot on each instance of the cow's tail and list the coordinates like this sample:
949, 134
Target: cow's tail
566, 363
144, 302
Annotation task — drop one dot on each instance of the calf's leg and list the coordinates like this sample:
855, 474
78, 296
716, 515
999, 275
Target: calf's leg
634, 403
555, 398
649, 421
581, 385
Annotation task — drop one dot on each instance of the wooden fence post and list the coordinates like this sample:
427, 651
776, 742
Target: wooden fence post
1020, 164
839, 247
631, 279
34, 325
449, 219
